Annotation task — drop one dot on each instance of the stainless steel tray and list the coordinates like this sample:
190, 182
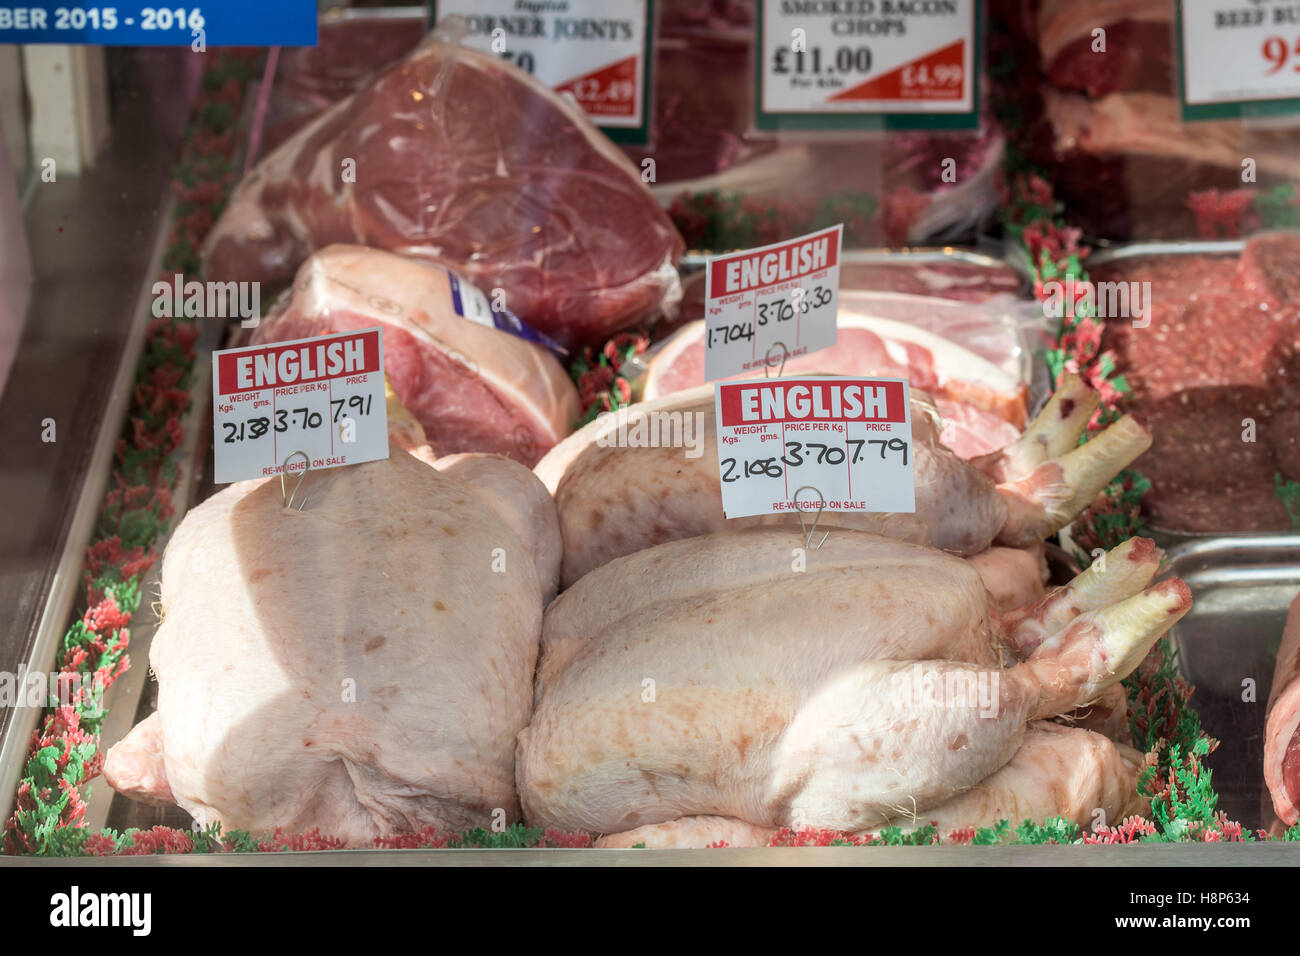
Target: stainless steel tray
1104, 253
1227, 645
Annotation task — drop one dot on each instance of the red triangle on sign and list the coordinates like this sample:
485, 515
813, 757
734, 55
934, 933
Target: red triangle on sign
609, 91
940, 75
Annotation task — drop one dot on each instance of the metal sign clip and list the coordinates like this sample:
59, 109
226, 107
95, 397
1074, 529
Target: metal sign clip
288, 496
809, 531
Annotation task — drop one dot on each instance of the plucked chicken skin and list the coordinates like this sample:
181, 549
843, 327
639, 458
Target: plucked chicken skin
613, 500
362, 665
864, 684
1058, 771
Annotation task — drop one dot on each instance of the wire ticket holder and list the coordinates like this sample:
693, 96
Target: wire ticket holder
289, 496
809, 531
768, 361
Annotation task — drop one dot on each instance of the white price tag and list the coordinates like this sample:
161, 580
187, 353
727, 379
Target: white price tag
892, 56
323, 397
780, 299
595, 51
1239, 52
850, 439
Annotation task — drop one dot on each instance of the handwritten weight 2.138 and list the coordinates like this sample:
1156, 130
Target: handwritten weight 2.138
847, 442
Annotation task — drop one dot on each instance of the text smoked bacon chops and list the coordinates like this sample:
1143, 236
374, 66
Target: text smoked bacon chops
455, 156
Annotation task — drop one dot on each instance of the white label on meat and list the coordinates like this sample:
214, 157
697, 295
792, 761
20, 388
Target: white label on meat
844, 442
323, 397
470, 303
591, 50
1240, 52
868, 56
772, 302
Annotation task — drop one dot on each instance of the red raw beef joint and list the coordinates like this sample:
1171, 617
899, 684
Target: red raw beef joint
457, 157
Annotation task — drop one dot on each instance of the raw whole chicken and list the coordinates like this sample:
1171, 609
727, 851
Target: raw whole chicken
614, 500
1282, 730
864, 684
362, 665
1058, 771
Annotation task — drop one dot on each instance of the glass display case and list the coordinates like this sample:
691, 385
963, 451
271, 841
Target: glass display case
650, 431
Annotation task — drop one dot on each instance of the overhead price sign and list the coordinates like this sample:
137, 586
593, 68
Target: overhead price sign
854, 64
596, 52
1238, 59
127, 23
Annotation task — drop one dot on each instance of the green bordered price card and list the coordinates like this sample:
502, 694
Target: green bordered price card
1238, 59
867, 64
596, 52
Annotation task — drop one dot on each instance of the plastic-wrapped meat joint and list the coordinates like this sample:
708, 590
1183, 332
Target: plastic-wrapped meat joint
471, 386
455, 156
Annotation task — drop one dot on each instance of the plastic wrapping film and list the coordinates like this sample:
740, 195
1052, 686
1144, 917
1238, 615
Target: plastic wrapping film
721, 179
459, 158
974, 358
471, 385
1124, 163
709, 164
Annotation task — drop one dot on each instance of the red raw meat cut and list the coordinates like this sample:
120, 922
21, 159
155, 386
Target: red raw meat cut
472, 387
311, 78
1138, 37
982, 406
1222, 351
1125, 164
464, 160
685, 16
1282, 730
